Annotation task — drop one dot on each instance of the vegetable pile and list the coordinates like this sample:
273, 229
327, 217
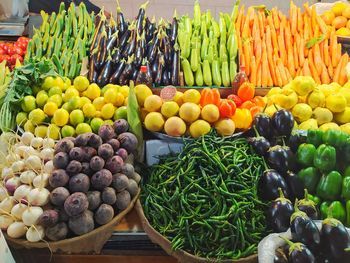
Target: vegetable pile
208, 49
11, 52
119, 48
24, 181
205, 201
65, 38
92, 180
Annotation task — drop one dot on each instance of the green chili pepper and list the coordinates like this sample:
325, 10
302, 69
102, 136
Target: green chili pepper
325, 158
314, 137
305, 154
329, 187
310, 178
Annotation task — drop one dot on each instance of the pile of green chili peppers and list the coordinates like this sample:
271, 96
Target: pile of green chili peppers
324, 162
205, 201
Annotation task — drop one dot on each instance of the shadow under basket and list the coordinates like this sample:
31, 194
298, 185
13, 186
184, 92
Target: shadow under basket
181, 255
90, 243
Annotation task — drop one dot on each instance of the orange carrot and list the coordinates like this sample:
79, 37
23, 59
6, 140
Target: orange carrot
246, 26
258, 51
334, 50
239, 18
342, 74
279, 81
337, 73
313, 16
313, 68
258, 76
276, 19
317, 58
273, 32
264, 65
293, 18
269, 80
287, 35
290, 65
316, 31
300, 21
261, 23
330, 71
298, 72
246, 53
306, 69
240, 46
307, 9
321, 50
280, 67
306, 28
326, 52
339, 53
253, 71
269, 50
288, 75
296, 56
324, 76
302, 55
322, 25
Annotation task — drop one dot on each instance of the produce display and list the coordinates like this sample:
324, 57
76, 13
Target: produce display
121, 47
5, 78
208, 48
338, 16
275, 48
65, 38
314, 106
11, 52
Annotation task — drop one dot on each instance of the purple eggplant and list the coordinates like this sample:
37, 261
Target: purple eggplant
124, 39
260, 145
92, 76
280, 158
269, 183
118, 71
299, 253
152, 52
98, 31
122, 25
140, 50
101, 55
129, 49
128, 70
295, 185
105, 74
116, 56
283, 122
112, 41
175, 67
159, 76
166, 50
165, 77
140, 18
174, 29
262, 123
150, 29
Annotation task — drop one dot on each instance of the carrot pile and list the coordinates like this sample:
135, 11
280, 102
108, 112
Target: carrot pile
274, 48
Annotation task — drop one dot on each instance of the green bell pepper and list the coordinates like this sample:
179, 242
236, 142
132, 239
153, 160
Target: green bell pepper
305, 154
314, 137
336, 210
325, 158
329, 187
345, 192
315, 199
310, 177
335, 138
346, 151
324, 209
348, 213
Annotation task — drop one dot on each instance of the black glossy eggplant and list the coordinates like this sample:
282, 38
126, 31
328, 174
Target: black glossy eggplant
150, 29
140, 18
109, 31
129, 49
101, 55
134, 73
165, 78
174, 28
140, 50
295, 139
93, 74
296, 186
152, 52
113, 25
98, 31
159, 75
128, 70
116, 56
279, 213
280, 158
260, 145
118, 71
283, 122
268, 185
307, 206
155, 65
124, 39
166, 48
175, 67
105, 73
262, 123
335, 239
304, 229
299, 253
112, 41
121, 23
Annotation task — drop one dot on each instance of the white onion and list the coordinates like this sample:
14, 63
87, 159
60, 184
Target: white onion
6, 173
41, 180
16, 229
5, 221
48, 143
12, 184
27, 177
37, 142
35, 233
22, 192
18, 166
30, 151
48, 167
27, 138
12, 157
33, 162
3, 193
31, 215
47, 154
21, 150
39, 196
7, 204
18, 210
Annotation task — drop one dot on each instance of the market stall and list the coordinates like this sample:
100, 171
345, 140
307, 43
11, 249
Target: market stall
198, 139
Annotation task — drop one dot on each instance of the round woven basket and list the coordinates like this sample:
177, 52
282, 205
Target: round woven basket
180, 255
90, 243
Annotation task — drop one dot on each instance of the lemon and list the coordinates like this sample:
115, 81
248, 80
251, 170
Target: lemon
98, 103
120, 113
28, 103
55, 90
89, 110
210, 113
153, 103
56, 99
110, 95
142, 92
59, 82
81, 83
40, 131
109, 86
66, 106
154, 121
84, 100
76, 117
302, 112
192, 95
329, 126
175, 126
310, 124
345, 128
120, 100
336, 86
124, 90
48, 83
67, 131
189, 112
107, 111
316, 99
347, 85
50, 108
74, 103
303, 85
336, 103
343, 117
125, 102
67, 84
322, 115
178, 98
29, 127
21, 118
327, 89
108, 122
343, 32
93, 91
169, 109
70, 93
346, 93
274, 91
98, 114
53, 131
83, 128
96, 124
41, 98
338, 8
36, 116
199, 128
225, 127
61, 117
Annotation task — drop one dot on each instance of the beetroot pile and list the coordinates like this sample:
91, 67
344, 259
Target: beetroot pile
92, 182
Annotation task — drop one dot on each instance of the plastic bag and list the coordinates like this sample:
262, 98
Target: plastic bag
323, 7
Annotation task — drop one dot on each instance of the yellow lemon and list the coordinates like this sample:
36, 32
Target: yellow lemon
336, 103
316, 99
178, 98
347, 85
98, 103
36, 116
61, 117
50, 108
153, 103
210, 113
93, 91
83, 128
84, 100
81, 83
29, 126
89, 110
154, 121
169, 109
338, 8
124, 90
59, 82
120, 100
225, 127
322, 115
110, 96
28, 103
96, 124
310, 124
53, 132
327, 89
303, 85
55, 90
345, 128
41, 98
67, 131
343, 32
346, 93
270, 110
107, 111
329, 126
142, 92
189, 112
343, 117
21, 118
192, 95
199, 128
48, 83
40, 131
273, 91
70, 93
56, 99
302, 112
76, 117
175, 126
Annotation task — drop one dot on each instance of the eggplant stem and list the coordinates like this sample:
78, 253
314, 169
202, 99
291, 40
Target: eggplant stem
306, 194
144, 5
280, 192
256, 131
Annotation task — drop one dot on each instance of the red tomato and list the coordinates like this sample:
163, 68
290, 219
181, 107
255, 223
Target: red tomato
11, 50
236, 99
2, 44
14, 58
2, 52
23, 39
18, 51
4, 57
22, 45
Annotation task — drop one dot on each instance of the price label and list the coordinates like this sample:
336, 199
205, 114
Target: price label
5, 253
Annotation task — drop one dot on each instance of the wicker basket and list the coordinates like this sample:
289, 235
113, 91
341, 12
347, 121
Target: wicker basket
180, 255
90, 243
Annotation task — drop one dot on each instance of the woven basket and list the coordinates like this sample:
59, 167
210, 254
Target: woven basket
90, 243
180, 255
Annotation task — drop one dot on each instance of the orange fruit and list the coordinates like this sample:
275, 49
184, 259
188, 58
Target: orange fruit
339, 21
328, 17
